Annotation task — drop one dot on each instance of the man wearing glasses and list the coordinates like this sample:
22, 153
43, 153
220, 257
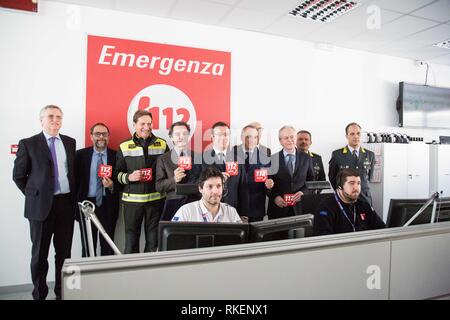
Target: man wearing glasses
44, 173
93, 172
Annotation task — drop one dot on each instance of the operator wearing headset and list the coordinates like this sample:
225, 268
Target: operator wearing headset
344, 211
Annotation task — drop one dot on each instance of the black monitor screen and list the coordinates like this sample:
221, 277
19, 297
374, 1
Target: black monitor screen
282, 228
401, 210
174, 235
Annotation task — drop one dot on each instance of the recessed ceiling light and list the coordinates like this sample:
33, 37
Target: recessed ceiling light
323, 10
443, 44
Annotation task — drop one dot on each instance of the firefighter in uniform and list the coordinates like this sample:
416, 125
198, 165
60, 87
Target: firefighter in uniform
356, 157
135, 170
304, 141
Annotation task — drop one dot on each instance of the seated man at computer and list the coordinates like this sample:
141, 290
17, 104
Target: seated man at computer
208, 208
344, 211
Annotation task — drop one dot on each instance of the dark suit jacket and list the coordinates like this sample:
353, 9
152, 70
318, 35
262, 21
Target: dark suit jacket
165, 166
319, 171
82, 174
33, 174
236, 186
285, 184
256, 190
265, 150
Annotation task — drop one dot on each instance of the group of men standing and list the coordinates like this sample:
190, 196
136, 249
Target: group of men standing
53, 176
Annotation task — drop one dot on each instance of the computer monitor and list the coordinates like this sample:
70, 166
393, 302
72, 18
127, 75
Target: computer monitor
401, 210
282, 228
174, 235
310, 201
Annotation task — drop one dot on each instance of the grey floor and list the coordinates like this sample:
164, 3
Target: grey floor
24, 294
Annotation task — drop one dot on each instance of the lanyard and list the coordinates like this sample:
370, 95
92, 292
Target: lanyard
205, 215
345, 214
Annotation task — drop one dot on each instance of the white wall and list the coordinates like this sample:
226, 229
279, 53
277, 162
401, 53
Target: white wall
274, 80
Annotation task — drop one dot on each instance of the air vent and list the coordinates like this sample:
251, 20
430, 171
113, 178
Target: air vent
444, 44
323, 10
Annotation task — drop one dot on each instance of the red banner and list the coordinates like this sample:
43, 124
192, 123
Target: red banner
26, 5
174, 83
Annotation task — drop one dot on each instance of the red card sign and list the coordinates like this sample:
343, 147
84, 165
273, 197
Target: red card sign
289, 198
232, 168
174, 83
105, 171
14, 148
185, 163
146, 174
260, 175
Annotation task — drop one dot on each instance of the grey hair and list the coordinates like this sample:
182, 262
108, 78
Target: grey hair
283, 128
50, 106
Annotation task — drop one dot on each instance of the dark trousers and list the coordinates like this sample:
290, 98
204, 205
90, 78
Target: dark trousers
133, 215
58, 224
108, 219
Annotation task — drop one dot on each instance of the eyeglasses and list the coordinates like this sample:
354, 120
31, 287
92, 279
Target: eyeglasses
100, 134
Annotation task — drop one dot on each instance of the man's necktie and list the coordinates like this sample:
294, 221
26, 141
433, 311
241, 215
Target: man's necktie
55, 164
355, 157
99, 189
290, 164
247, 161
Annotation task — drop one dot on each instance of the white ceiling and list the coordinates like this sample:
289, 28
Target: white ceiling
408, 29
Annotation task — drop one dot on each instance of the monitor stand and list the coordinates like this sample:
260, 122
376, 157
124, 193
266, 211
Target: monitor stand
87, 208
433, 199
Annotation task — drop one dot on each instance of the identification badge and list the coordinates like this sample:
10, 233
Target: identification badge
185, 163
146, 174
232, 168
105, 171
260, 175
289, 198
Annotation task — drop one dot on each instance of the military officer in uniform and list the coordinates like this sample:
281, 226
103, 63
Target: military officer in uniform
304, 141
353, 156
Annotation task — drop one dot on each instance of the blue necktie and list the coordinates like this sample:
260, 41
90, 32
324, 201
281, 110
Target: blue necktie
99, 189
55, 164
290, 164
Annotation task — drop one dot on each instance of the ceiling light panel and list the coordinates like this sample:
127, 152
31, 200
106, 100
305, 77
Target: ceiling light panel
323, 10
443, 44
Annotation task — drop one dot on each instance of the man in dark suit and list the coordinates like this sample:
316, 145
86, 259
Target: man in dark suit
355, 157
304, 142
179, 166
290, 168
44, 172
255, 162
220, 156
100, 191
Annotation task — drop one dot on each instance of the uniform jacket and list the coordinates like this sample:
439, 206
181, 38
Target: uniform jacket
342, 158
132, 156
